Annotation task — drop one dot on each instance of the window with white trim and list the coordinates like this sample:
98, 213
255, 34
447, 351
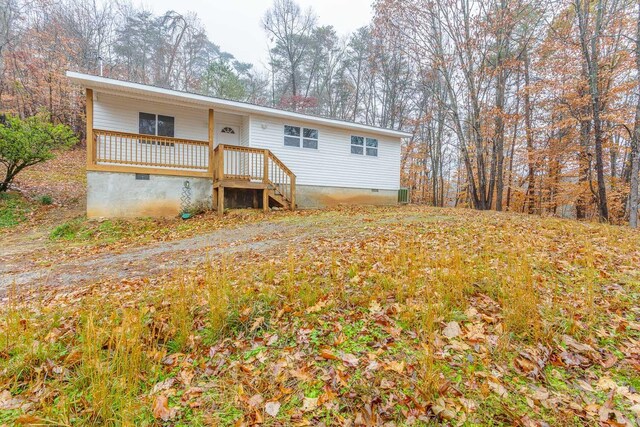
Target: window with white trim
157, 125
296, 136
364, 146
228, 130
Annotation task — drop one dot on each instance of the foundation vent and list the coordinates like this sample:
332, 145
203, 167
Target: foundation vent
142, 177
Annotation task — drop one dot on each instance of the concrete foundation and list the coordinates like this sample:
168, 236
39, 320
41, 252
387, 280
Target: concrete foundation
119, 195
308, 196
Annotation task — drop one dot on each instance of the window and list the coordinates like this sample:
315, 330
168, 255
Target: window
310, 138
228, 130
152, 124
295, 135
291, 136
372, 147
362, 145
357, 145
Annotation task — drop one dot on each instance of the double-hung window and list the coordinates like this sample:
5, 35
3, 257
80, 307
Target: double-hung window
364, 146
372, 147
296, 136
156, 124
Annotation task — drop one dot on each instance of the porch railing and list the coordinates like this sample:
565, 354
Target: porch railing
112, 149
237, 163
132, 149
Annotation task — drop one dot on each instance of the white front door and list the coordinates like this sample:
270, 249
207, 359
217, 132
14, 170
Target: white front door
228, 135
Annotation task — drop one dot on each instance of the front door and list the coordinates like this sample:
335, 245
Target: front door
228, 135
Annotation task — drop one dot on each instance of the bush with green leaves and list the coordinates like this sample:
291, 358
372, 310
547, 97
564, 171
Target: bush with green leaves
45, 200
26, 142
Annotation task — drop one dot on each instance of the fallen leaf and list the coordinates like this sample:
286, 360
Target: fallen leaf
452, 330
28, 420
395, 366
161, 409
256, 400
585, 385
309, 404
374, 307
272, 408
350, 359
327, 354
441, 410
162, 385
606, 383
8, 402
257, 323
497, 388
272, 339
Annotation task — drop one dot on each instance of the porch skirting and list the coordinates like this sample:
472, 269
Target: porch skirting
121, 195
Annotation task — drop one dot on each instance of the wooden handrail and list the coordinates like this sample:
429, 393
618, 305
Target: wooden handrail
254, 164
150, 151
240, 149
282, 165
154, 137
273, 157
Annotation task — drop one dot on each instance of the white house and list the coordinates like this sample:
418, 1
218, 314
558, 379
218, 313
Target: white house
145, 144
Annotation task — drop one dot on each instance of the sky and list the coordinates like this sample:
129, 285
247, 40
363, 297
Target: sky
235, 25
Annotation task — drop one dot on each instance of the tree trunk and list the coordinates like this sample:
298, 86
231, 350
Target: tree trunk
513, 141
584, 166
528, 119
590, 54
635, 141
499, 142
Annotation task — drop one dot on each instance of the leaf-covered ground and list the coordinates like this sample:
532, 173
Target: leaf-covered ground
390, 316
48, 193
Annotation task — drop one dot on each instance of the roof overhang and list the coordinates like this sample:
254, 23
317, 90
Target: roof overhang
140, 90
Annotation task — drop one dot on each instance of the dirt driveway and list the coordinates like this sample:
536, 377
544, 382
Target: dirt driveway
149, 260
164, 257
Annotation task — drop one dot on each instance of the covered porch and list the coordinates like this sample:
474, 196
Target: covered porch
225, 158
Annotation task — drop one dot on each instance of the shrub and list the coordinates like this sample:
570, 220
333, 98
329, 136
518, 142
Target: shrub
45, 200
67, 230
24, 143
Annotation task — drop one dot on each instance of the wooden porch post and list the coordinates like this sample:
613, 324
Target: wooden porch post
211, 164
265, 200
212, 169
220, 173
220, 201
265, 164
91, 145
293, 193
265, 181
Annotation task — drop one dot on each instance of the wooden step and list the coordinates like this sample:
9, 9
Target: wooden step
230, 183
278, 198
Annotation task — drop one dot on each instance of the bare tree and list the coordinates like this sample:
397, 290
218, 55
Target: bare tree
590, 32
635, 138
290, 30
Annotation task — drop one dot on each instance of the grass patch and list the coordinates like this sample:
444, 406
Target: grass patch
14, 209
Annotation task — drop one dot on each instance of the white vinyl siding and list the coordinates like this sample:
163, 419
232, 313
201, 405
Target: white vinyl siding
244, 134
332, 164
118, 113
